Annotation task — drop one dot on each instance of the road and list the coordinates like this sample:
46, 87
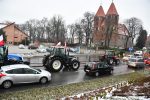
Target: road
63, 77
67, 77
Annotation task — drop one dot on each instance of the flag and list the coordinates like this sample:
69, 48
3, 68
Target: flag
1, 40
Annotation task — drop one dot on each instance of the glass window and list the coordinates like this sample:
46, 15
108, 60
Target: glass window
9, 72
29, 71
15, 71
140, 60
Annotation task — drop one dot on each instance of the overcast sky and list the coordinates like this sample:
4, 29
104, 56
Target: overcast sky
20, 11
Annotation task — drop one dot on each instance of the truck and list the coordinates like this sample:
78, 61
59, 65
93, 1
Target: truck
58, 58
9, 59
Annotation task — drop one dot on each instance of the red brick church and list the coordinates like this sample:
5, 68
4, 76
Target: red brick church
103, 23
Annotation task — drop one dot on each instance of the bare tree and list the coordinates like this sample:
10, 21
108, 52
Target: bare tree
58, 29
87, 24
71, 32
133, 25
79, 32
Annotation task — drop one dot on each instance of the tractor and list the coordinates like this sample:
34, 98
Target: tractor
110, 57
58, 57
9, 59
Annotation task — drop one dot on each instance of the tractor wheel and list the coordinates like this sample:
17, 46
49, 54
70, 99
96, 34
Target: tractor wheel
75, 65
55, 65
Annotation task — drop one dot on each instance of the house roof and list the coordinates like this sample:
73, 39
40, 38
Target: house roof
2, 25
100, 12
6, 25
112, 10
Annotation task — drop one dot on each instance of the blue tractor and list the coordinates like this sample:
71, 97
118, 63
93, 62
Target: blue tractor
9, 59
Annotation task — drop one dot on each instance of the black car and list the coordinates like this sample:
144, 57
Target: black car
97, 68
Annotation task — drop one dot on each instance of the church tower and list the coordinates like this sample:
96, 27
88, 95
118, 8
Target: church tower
111, 24
99, 22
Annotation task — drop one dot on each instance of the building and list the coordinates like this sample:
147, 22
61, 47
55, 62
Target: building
13, 34
108, 30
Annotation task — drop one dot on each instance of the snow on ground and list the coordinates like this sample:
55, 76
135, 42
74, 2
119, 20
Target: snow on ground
107, 93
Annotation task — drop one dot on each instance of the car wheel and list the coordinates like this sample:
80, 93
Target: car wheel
75, 65
7, 84
97, 74
110, 72
43, 80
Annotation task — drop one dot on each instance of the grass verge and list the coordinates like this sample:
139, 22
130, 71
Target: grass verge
47, 93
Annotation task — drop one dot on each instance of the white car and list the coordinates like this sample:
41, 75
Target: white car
19, 73
126, 58
136, 63
138, 53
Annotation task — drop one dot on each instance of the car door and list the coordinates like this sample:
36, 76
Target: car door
16, 75
31, 75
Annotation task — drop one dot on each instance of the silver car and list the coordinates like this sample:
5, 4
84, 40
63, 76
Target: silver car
19, 73
136, 63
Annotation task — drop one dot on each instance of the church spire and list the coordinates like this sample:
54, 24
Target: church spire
112, 9
100, 12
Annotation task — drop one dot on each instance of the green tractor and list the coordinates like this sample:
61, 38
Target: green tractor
59, 57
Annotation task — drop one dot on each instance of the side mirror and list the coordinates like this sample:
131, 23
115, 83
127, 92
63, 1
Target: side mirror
37, 73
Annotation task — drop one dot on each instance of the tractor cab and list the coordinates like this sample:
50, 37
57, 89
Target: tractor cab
3, 54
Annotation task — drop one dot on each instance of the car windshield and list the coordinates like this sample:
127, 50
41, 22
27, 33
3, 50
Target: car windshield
133, 60
59, 51
136, 60
140, 60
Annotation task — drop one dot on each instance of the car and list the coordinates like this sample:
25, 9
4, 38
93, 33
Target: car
20, 73
138, 53
147, 61
126, 58
136, 63
21, 46
97, 68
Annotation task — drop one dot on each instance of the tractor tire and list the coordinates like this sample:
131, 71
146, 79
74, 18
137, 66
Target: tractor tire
55, 65
75, 65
